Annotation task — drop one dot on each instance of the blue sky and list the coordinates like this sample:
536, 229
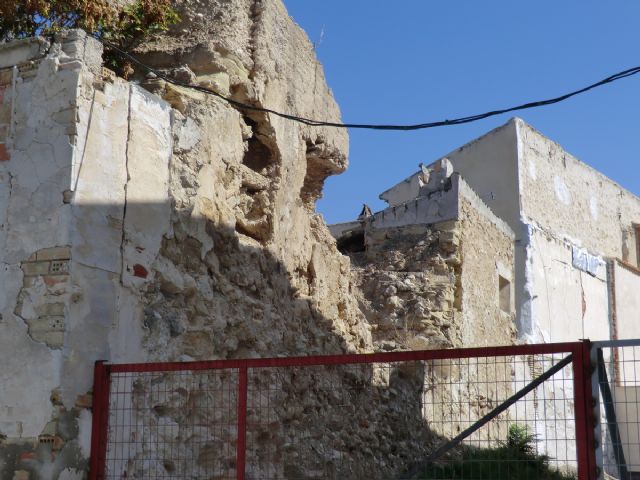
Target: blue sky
410, 61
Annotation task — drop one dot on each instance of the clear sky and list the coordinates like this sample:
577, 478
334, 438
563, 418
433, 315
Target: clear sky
412, 61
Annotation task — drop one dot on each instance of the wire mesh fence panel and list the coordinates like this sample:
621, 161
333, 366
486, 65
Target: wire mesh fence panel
534, 438
378, 420
494, 414
172, 425
618, 375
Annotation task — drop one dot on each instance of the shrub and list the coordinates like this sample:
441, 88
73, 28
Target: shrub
515, 459
124, 25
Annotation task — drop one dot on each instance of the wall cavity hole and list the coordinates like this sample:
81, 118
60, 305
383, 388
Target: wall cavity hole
352, 242
258, 155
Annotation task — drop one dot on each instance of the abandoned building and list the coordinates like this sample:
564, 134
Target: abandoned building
575, 235
142, 221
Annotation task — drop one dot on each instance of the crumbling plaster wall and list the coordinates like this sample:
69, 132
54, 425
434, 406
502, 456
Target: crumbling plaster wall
564, 204
66, 173
568, 303
136, 229
548, 198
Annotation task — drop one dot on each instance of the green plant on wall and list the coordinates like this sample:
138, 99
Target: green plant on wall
125, 24
515, 459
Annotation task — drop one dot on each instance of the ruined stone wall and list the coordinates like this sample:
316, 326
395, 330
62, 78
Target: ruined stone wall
486, 274
408, 285
429, 286
134, 228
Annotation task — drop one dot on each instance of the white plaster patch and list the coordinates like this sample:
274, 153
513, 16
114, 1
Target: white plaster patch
71, 474
148, 210
593, 207
562, 191
84, 433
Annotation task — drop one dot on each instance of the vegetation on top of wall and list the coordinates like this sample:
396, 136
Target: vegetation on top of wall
515, 459
125, 24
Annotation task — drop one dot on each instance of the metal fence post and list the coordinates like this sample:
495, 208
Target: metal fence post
241, 445
100, 420
597, 423
585, 441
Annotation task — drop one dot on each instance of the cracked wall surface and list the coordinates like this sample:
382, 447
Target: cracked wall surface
151, 222
145, 221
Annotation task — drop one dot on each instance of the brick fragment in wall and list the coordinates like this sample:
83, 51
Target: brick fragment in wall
53, 267
84, 401
140, 271
21, 475
35, 268
53, 253
5, 113
44, 311
6, 74
4, 154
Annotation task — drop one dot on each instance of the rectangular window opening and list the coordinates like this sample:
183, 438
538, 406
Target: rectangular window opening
504, 294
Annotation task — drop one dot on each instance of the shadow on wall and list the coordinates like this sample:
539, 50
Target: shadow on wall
235, 299
231, 298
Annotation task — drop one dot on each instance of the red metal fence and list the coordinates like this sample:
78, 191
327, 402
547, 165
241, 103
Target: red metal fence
617, 392
475, 413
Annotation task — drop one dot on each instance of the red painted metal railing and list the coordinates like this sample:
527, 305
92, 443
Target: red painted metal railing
342, 416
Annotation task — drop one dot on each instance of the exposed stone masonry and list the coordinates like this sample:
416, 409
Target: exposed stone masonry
143, 221
410, 283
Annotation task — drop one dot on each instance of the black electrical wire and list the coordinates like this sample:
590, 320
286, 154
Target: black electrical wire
419, 126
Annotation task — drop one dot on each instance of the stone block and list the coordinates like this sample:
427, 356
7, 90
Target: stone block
21, 51
84, 401
6, 76
52, 339
59, 267
35, 268
56, 309
56, 322
54, 253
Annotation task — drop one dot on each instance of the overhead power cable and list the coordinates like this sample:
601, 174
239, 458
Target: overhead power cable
418, 126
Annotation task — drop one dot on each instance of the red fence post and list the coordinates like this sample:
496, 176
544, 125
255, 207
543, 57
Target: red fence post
241, 445
585, 439
100, 420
